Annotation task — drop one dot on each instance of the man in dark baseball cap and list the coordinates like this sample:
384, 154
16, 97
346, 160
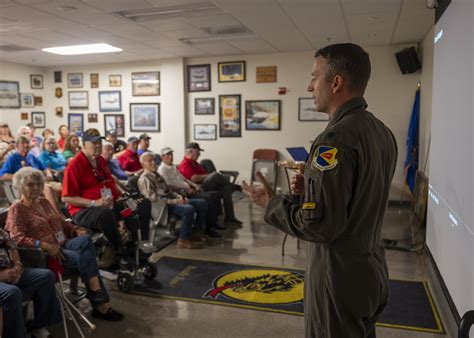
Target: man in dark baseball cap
129, 159
144, 143
119, 145
194, 145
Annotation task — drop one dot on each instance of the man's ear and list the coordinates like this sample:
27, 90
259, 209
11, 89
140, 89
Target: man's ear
337, 84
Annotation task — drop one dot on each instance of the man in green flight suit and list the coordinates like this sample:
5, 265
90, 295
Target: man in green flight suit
345, 184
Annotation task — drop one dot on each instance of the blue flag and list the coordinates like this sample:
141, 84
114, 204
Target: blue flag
411, 162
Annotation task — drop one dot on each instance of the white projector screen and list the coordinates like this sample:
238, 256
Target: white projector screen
450, 226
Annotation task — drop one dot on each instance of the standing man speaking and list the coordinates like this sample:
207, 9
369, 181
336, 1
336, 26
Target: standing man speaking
346, 183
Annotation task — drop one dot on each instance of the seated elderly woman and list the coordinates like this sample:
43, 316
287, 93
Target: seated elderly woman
18, 284
71, 147
32, 223
153, 187
50, 157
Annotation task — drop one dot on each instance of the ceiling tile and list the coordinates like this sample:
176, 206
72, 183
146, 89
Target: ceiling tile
218, 48
185, 34
415, 21
366, 7
118, 5
253, 46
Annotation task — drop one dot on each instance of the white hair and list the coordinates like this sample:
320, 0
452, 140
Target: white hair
107, 144
24, 174
23, 128
146, 154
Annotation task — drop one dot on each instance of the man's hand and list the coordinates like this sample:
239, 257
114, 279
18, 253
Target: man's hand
12, 275
189, 191
259, 195
297, 184
107, 202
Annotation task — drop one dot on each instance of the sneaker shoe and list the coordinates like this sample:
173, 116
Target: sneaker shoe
111, 315
189, 244
213, 233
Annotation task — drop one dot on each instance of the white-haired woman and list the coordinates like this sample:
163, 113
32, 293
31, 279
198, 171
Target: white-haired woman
32, 223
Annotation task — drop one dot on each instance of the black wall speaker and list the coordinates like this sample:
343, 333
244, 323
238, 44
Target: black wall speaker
408, 60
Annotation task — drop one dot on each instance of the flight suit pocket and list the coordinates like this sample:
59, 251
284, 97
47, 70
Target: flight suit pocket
311, 202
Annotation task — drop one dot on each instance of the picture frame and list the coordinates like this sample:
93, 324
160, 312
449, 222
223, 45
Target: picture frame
58, 76
230, 116
199, 78
205, 132
233, 71
146, 84
307, 111
59, 111
24, 116
78, 99
110, 101
76, 124
27, 100
38, 100
266, 74
204, 106
263, 115
9, 94
94, 80
36, 81
92, 118
114, 122
145, 117
38, 119
115, 80
75, 80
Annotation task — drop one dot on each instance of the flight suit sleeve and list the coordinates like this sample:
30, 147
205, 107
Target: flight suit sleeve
328, 190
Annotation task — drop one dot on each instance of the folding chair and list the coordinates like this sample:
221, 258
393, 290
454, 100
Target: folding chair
209, 167
11, 194
265, 161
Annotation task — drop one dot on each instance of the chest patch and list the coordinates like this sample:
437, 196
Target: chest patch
324, 158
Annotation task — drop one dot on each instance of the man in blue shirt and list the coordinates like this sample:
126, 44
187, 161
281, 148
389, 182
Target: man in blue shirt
144, 143
113, 163
19, 159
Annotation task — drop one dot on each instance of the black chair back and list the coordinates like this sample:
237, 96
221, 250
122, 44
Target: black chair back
208, 166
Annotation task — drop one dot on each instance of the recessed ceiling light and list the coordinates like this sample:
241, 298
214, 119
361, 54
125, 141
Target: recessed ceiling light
94, 48
67, 8
373, 35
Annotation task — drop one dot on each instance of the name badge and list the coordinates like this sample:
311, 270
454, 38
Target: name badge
60, 236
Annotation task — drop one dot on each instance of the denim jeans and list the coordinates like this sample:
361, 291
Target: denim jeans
80, 258
196, 208
36, 285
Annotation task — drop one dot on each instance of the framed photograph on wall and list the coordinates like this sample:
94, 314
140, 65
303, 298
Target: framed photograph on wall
76, 124
205, 132
36, 81
38, 100
115, 80
9, 94
114, 122
110, 100
92, 118
145, 117
78, 100
58, 76
199, 78
38, 119
94, 80
204, 106
267, 74
74, 80
146, 84
230, 116
27, 100
307, 111
233, 71
263, 115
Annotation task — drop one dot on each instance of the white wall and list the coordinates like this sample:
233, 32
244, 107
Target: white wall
426, 96
171, 97
21, 73
389, 94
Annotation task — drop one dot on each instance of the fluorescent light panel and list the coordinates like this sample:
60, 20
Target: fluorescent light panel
95, 48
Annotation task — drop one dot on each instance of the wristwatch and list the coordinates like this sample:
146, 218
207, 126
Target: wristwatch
92, 204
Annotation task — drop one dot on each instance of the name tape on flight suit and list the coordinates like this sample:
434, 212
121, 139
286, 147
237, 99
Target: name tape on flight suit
309, 206
324, 158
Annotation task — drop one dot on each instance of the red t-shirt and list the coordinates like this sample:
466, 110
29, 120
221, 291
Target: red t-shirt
60, 143
130, 161
189, 168
80, 180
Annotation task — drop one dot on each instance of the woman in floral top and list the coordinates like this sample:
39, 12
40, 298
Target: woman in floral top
32, 222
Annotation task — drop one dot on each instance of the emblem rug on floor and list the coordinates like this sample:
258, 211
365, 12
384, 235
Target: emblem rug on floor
277, 290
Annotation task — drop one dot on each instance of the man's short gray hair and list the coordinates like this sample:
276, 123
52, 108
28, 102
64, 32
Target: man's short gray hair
26, 173
22, 138
107, 144
146, 154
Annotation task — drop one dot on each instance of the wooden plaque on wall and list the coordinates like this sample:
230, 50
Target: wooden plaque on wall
266, 74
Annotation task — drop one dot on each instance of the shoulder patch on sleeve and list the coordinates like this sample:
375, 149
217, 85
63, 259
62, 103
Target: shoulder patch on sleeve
324, 158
